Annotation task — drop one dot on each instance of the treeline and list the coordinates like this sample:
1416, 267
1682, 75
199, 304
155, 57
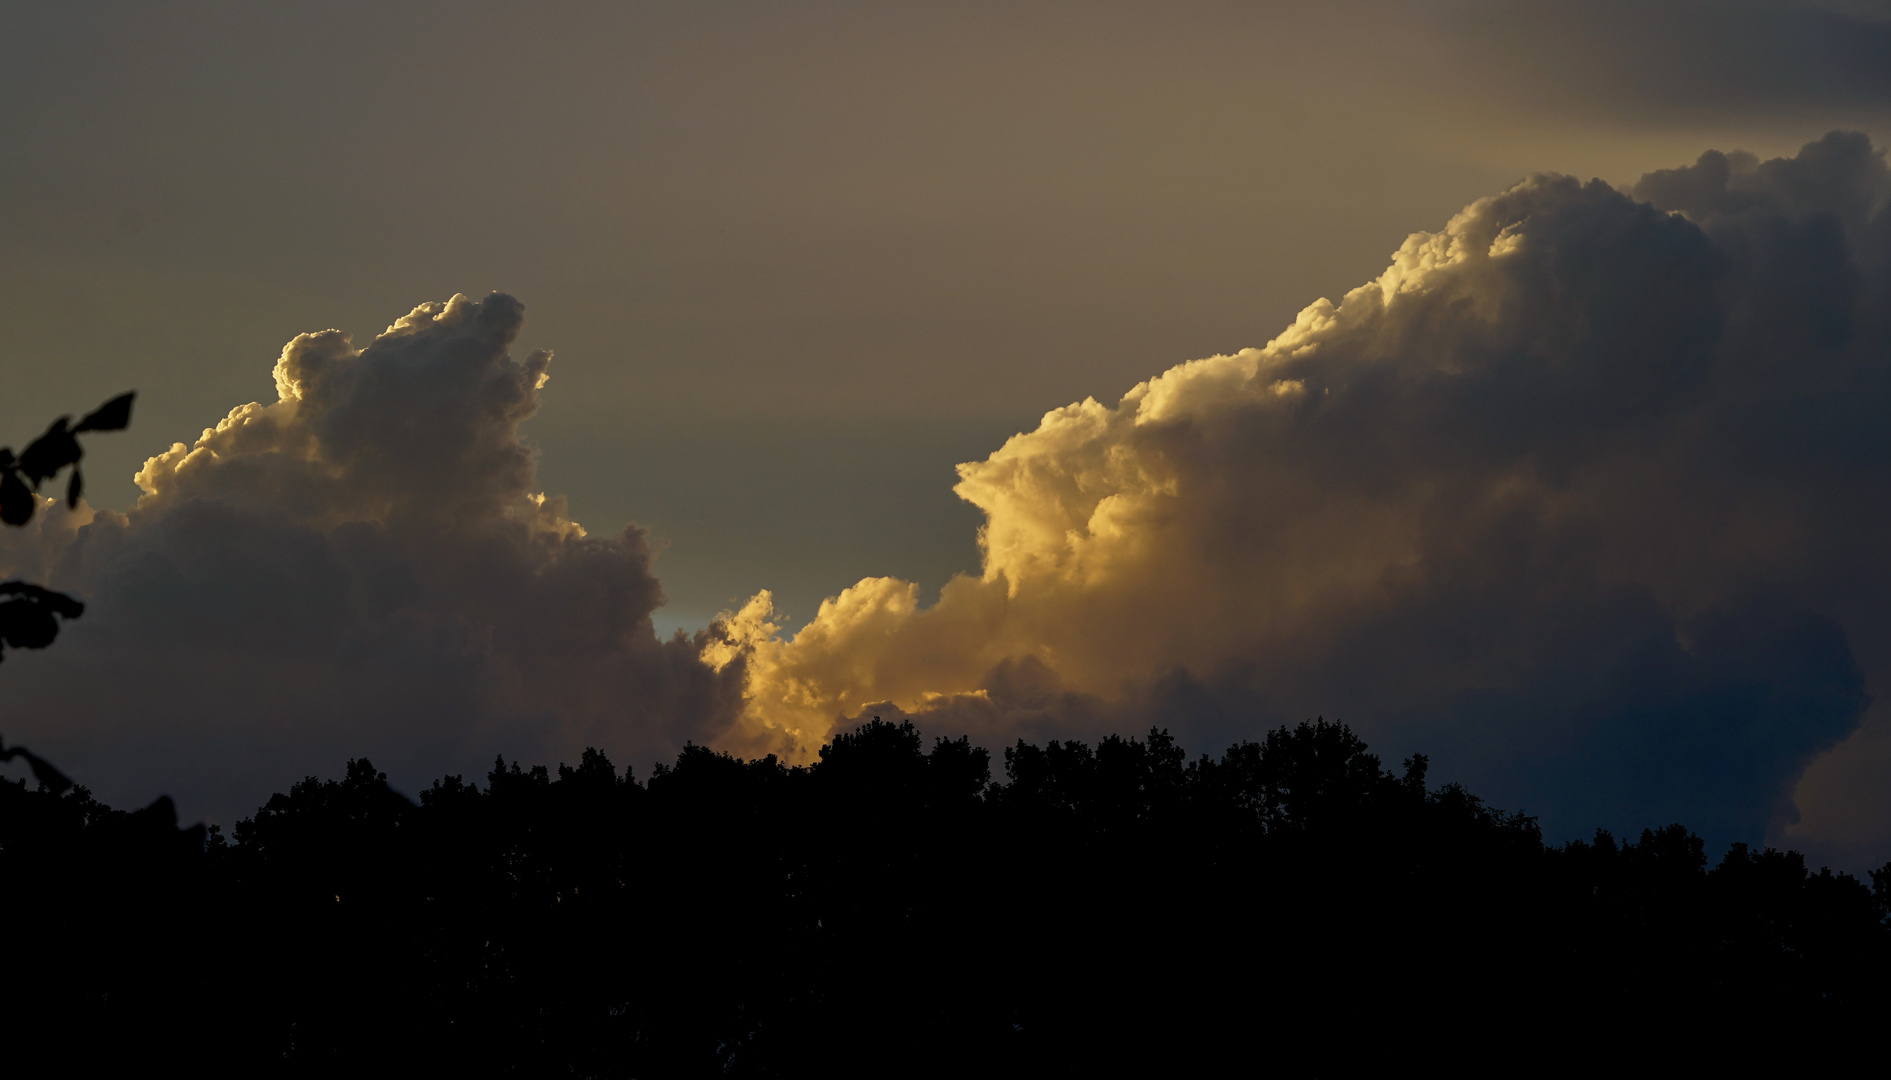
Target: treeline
1290, 907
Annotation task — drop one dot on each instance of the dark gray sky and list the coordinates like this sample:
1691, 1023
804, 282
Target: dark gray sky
797, 261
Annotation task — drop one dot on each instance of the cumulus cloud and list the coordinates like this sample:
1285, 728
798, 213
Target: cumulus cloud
1581, 495
358, 568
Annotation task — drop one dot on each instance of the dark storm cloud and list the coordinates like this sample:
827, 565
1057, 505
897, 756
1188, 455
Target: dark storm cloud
1580, 495
359, 568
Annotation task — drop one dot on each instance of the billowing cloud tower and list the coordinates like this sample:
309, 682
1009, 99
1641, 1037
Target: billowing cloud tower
1582, 495
360, 568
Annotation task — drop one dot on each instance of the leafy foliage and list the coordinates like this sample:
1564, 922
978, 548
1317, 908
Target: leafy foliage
27, 612
51, 452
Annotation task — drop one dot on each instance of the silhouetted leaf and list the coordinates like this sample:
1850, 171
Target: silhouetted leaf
26, 616
57, 602
111, 416
16, 503
50, 452
25, 625
75, 487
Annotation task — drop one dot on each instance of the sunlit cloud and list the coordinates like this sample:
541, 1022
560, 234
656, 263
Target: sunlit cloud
1576, 495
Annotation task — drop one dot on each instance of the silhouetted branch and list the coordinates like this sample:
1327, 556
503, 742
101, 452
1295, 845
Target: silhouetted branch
30, 614
49, 778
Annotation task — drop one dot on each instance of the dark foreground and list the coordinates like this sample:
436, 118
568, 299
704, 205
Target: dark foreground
1291, 909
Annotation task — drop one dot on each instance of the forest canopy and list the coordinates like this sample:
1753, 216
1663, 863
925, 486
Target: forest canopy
894, 909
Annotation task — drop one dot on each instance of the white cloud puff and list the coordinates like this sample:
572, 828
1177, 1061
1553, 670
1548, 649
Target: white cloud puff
358, 568
1577, 496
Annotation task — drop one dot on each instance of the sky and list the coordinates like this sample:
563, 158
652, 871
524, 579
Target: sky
821, 282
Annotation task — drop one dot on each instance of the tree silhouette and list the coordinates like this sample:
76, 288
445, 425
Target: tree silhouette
79, 875
1289, 906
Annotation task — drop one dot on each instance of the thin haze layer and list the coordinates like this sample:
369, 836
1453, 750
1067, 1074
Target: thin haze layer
1579, 495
